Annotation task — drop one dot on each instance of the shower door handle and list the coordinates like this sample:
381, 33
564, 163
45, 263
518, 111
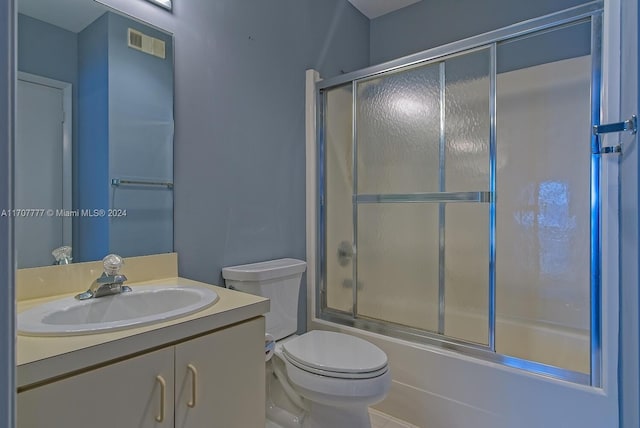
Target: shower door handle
345, 253
348, 283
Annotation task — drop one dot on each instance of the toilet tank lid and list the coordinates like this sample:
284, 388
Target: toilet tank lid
264, 270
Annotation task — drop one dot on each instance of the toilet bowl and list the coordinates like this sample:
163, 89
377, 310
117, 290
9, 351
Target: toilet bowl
329, 378
339, 375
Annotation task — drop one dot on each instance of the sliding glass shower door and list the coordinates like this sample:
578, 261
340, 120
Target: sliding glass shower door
459, 200
422, 144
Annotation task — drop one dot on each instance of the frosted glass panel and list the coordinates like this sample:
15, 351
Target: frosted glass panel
339, 188
543, 205
398, 263
424, 259
467, 272
467, 120
398, 132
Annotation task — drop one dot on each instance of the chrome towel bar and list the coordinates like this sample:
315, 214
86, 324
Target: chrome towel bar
630, 125
121, 182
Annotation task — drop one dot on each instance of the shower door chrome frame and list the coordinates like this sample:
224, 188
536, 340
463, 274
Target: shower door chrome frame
589, 12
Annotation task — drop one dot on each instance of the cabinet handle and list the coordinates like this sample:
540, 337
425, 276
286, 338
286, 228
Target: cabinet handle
194, 385
163, 394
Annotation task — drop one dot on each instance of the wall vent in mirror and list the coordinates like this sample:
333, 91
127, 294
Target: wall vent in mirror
167, 4
146, 44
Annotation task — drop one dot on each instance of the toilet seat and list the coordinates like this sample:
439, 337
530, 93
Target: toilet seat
335, 355
336, 375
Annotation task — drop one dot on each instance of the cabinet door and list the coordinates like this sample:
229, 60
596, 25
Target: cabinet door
228, 370
126, 394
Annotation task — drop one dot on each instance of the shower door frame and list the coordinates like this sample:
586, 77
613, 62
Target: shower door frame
590, 12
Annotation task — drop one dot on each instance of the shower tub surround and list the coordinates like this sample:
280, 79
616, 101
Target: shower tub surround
426, 301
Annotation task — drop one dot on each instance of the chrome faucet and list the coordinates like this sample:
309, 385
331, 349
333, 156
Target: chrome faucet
110, 282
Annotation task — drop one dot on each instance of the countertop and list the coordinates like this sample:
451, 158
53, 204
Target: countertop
41, 359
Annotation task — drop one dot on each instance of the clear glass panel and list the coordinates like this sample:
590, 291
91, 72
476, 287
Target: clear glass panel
398, 263
467, 121
543, 205
338, 188
398, 132
467, 272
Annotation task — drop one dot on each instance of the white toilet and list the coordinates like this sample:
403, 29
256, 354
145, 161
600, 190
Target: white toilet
332, 378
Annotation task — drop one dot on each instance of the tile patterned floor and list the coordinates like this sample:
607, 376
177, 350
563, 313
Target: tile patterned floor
382, 420
378, 420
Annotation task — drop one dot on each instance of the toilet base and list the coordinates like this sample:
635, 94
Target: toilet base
323, 416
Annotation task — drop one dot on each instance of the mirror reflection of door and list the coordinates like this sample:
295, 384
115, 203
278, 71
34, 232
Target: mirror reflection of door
43, 183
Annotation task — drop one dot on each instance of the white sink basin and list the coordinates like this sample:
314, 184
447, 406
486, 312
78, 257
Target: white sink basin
144, 305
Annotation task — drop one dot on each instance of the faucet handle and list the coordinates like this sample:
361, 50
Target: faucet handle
112, 264
62, 255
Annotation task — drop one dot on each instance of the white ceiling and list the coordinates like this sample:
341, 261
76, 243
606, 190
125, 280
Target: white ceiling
72, 15
375, 8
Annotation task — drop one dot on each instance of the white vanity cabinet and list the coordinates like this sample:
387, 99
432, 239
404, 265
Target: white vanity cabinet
228, 370
214, 380
124, 394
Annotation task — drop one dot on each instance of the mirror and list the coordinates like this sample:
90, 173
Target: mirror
94, 133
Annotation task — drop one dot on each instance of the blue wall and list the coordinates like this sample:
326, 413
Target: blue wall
430, 23
93, 139
629, 363
126, 131
239, 109
47, 50
8, 68
140, 141
240, 131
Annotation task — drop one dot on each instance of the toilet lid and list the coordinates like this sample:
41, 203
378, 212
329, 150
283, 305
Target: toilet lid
335, 352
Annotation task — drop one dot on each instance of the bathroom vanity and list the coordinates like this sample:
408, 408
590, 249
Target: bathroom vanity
203, 369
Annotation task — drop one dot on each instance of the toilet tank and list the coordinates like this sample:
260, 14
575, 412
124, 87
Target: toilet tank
278, 280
